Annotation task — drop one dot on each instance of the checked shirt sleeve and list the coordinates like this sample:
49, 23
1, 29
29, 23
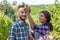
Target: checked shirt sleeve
12, 33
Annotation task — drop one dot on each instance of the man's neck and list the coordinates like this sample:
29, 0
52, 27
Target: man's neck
23, 21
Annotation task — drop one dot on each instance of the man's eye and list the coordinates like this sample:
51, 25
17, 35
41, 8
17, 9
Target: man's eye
22, 12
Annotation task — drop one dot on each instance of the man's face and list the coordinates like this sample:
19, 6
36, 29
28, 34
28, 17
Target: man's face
21, 13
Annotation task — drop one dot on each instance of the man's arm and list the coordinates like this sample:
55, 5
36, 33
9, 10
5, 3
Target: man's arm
31, 37
12, 33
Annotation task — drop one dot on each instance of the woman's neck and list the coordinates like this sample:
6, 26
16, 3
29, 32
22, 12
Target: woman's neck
43, 23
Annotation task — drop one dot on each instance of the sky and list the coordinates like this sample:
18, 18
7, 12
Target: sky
33, 2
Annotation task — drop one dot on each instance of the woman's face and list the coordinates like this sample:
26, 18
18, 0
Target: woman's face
42, 18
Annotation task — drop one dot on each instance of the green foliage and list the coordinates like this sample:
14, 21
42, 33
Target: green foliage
55, 13
5, 24
14, 3
8, 9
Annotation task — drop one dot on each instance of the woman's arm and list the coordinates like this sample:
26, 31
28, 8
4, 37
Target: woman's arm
32, 23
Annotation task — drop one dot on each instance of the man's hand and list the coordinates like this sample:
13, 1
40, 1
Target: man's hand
30, 37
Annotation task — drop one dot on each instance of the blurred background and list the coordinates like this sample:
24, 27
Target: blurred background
8, 14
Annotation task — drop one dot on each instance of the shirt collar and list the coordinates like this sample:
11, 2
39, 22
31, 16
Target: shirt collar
19, 20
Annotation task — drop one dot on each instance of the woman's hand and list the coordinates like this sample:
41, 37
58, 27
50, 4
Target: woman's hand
26, 8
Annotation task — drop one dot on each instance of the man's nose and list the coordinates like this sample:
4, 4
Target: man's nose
24, 13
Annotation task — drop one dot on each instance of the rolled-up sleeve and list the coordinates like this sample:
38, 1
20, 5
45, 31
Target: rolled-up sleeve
36, 27
12, 33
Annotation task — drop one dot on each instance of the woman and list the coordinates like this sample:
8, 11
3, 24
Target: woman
40, 31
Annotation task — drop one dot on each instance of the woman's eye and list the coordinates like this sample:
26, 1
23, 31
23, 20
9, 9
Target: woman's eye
41, 15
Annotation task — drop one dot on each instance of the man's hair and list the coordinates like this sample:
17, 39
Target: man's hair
20, 6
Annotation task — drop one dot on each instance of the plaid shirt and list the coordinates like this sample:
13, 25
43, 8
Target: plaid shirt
40, 30
18, 31
43, 30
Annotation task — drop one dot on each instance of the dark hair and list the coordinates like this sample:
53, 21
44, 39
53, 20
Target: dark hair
20, 6
48, 17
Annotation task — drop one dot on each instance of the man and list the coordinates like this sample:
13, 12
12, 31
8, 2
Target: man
20, 29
